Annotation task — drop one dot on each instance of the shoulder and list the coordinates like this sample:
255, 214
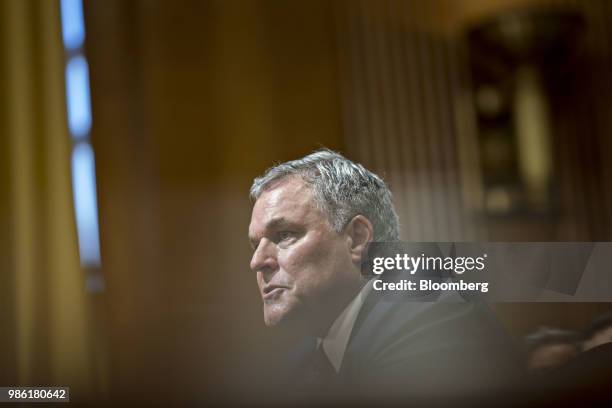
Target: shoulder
429, 342
447, 321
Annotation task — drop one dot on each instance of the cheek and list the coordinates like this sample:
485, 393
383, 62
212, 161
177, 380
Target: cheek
293, 265
313, 264
260, 280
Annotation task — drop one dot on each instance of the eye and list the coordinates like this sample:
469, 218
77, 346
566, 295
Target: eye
284, 238
285, 235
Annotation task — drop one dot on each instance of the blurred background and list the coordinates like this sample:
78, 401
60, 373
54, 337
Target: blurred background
130, 132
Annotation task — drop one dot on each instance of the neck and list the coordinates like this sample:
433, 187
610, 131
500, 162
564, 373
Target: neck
325, 319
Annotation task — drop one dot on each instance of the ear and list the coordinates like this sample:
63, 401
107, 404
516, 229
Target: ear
361, 232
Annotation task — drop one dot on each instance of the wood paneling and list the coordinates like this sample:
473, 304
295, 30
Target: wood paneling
191, 101
401, 83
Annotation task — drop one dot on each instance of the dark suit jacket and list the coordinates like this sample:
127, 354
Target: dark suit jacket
405, 348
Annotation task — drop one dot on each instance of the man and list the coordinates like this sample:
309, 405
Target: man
311, 224
599, 332
550, 348
562, 372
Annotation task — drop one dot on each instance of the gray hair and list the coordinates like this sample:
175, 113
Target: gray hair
342, 190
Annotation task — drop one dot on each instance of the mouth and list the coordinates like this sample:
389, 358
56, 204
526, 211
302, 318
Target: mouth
270, 292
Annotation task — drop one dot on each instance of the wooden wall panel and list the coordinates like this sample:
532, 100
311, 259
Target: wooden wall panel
191, 101
401, 85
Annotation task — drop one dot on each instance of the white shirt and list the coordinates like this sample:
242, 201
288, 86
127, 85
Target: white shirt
334, 344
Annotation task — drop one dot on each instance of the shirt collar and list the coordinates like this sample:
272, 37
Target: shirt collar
334, 344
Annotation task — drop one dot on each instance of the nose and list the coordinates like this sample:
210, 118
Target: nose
264, 259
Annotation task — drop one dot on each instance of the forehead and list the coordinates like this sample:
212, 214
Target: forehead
291, 200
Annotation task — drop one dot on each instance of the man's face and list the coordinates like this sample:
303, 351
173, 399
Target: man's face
304, 269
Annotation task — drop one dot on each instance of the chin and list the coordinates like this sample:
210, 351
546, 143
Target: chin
274, 318
285, 317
